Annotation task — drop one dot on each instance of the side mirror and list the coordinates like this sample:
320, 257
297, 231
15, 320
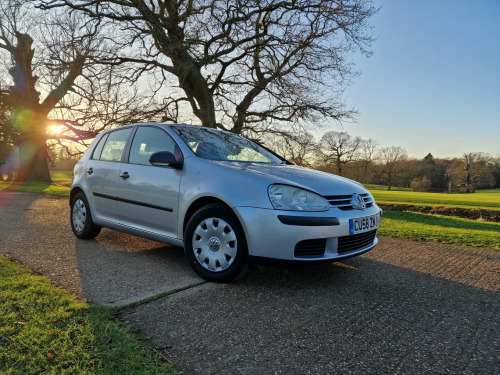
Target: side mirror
165, 159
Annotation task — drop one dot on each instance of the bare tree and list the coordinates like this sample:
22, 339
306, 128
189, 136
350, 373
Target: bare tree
56, 90
240, 65
470, 172
298, 149
29, 110
338, 149
391, 157
367, 151
495, 171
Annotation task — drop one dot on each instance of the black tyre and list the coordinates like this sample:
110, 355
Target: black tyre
81, 218
215, 244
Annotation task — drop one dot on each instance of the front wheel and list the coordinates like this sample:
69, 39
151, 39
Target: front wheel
215, 244
81, 218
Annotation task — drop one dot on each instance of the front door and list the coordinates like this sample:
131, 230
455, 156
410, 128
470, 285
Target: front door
148, 196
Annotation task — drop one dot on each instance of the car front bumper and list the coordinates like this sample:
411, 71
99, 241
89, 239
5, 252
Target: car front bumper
305, 236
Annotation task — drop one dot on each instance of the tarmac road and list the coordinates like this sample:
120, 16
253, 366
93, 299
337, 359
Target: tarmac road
403, 308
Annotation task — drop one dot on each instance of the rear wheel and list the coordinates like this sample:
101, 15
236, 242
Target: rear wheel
215, 244
81, 218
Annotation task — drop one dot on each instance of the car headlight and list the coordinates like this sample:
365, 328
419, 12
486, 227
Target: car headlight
290, 198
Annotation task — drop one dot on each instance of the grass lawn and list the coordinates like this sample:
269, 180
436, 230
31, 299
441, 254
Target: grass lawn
436, 228
444, 229
485, 199
61, 179
44, 330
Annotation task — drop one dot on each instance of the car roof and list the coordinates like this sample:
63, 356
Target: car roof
171, 125
162, 124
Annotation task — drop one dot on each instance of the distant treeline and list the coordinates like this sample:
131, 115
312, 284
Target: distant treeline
362, 160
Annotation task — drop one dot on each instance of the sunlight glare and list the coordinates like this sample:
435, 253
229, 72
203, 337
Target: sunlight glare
56, 129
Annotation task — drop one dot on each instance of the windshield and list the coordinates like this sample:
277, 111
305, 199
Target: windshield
220, 145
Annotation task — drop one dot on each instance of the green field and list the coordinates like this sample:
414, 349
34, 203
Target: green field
485, 199
436, 228
443, 229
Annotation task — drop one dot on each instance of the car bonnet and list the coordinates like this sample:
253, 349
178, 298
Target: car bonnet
320, 182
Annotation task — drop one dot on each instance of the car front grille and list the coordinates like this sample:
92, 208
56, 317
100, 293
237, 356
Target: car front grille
344, 202
355, 242
310, 248
316, 248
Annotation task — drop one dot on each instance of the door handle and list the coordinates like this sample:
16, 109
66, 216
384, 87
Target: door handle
90, 171
124, 175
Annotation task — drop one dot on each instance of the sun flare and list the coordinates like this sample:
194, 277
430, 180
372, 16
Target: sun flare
56, 129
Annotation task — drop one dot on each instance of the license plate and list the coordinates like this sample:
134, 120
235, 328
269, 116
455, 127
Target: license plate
363, 224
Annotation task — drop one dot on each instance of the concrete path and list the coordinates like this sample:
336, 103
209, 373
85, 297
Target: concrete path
116, 269
403, 308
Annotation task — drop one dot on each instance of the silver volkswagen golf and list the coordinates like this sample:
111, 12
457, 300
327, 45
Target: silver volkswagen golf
221, 196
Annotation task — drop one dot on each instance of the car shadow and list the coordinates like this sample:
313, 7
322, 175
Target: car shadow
117, 269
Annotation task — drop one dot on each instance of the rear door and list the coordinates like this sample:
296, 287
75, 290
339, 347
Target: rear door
148, 196
103, 170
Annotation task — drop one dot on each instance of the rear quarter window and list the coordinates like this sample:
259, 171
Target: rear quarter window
98, 149
115, 145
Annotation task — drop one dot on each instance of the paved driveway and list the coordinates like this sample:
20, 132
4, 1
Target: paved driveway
403, 308
115, 270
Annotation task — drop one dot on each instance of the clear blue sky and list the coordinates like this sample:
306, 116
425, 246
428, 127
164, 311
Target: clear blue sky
433, 81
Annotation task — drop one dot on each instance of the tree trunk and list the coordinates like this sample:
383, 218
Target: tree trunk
196, 87
39, 170
32, 148
33, 161
28, 117
170, 39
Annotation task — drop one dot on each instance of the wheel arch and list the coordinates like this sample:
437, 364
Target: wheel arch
89, 229
74, 192
199, 203
228, 215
